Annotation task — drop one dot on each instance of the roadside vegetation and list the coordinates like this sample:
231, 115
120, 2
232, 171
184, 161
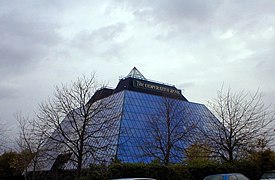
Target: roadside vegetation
12, 165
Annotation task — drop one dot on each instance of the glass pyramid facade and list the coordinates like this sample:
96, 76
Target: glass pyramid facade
135, 127
137, 102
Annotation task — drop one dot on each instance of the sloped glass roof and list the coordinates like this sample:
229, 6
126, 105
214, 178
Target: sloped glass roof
135, 130
134, 73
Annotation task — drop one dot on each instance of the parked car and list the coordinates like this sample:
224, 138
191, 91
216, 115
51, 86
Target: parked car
230, 176
268, 175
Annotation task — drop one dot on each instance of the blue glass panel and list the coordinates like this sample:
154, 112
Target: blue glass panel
138, 108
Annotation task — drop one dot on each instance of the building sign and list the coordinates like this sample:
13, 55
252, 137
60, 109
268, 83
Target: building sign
156, 87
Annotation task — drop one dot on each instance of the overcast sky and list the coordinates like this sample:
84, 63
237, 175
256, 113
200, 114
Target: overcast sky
196, 45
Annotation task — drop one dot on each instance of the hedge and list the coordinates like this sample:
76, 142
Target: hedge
171, 172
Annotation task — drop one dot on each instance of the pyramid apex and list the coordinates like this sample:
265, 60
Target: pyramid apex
134, 73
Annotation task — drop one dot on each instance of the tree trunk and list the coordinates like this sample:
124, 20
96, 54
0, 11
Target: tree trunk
79, 167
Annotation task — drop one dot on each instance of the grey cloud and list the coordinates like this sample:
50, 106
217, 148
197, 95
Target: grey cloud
245, 14
107, 33
264, 63
177, 11
102, 41
24, 41
185, 85
200, 18
8, 92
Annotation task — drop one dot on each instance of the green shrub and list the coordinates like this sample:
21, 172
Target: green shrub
196, 171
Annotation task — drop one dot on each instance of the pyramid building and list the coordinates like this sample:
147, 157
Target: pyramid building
142, 110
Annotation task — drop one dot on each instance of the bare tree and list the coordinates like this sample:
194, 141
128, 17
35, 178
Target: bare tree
3, 136
31, 140
78, 127
243, 120
170, 132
